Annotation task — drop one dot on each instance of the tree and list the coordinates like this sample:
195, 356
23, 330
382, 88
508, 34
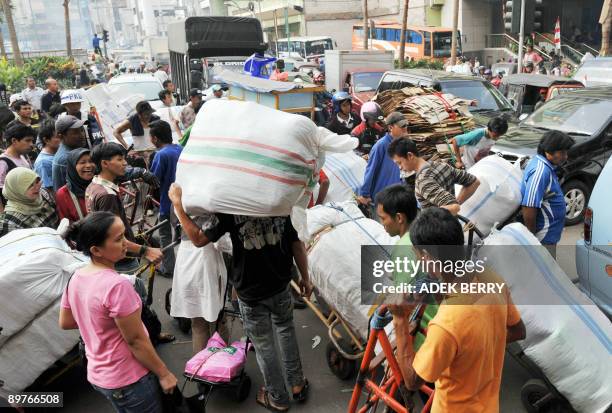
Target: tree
402, 50
67, 26
455, 27
2, 48
606, 27
8, 14
365, 25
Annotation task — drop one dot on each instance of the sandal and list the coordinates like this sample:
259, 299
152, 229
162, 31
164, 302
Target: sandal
164, 338
302, 395
263, 399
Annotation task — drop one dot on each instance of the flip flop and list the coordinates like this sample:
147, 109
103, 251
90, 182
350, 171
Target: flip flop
263, 399
302, 395
164, 338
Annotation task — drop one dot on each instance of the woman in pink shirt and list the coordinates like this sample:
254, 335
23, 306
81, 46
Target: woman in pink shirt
121, 361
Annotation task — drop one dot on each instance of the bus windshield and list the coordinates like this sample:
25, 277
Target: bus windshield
318, 47
442, 44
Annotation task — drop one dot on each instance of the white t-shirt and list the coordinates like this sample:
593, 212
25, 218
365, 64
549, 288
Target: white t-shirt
143, 143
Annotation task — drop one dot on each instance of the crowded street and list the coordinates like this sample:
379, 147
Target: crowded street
309, 205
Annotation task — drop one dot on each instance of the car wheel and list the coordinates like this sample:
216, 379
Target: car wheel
576, 200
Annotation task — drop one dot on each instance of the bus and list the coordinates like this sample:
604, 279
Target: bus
421, 42
305, 48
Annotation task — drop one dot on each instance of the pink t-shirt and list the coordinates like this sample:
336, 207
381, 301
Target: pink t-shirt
96, 299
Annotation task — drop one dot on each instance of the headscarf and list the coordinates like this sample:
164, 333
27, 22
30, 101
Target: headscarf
16, 184
75, 183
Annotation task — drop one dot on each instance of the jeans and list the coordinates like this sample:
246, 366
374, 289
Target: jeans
165, 236
143, 396
262, 322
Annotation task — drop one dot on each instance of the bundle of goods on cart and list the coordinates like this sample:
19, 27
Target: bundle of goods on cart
433, 117
37, 266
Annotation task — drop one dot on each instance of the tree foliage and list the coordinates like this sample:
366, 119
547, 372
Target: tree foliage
40, 68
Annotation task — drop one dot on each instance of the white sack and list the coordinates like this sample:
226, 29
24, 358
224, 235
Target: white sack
345, 172
34, 349
37, 264
498, 195
247, 159
335, 264
571, 342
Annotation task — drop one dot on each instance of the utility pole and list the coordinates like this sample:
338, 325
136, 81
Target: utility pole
521, 38
67, 27
402, 50
287, 30
365, 24
276, 31
455, 29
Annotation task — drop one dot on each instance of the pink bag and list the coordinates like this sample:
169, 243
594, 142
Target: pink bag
218, 362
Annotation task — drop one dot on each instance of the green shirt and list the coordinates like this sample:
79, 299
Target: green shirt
403, 249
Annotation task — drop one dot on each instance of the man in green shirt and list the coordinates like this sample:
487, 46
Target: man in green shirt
396, 207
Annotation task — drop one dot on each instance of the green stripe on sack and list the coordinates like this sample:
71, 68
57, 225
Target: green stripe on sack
251, 157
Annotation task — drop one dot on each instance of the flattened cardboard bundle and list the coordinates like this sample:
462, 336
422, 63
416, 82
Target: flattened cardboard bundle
433, 117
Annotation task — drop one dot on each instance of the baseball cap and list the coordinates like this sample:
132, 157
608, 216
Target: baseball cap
195, 92
396, 117
216, 88
72, 96
63, 123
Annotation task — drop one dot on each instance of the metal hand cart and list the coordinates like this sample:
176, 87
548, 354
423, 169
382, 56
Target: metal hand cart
241, 384
392, 381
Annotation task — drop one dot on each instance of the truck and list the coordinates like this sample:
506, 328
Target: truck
356, 72
156, 48
202, 46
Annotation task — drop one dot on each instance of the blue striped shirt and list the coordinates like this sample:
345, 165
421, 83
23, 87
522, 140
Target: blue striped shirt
541, 189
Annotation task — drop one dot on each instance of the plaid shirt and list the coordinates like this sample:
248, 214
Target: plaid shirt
434, 184
10, 221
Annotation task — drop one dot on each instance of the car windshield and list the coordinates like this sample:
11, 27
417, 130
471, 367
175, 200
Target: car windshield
366, 81
149, 90
570, 115
485, 95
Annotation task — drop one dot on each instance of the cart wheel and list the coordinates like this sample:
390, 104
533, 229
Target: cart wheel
342, 367
184, 324
536, 396
243, 389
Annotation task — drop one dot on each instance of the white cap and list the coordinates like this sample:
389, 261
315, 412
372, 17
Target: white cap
72, 96
14, 98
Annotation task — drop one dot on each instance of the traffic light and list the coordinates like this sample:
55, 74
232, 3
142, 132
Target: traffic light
105, 35
512, 16
533, 16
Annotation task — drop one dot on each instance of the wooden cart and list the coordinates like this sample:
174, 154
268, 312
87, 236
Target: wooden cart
289, 97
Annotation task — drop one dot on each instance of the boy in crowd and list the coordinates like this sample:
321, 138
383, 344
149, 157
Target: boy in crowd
477, 143
381, 171
23, 110
20, 142
164, 167
543, 203
72, 135
463, 357
434, 182
44, 161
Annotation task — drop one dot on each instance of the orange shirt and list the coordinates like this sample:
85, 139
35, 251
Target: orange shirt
464, 351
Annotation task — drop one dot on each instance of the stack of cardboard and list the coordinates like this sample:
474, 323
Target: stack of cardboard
433, 117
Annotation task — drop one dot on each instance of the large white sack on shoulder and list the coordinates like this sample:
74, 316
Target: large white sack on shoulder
26, 355
571, 341
247, 159
345, 172
37, 264
498, 195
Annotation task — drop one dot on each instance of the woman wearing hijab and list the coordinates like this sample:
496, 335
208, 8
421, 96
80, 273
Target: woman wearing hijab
70, 198
27, 206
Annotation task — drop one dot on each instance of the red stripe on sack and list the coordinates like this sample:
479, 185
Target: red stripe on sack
258, 145
246, 170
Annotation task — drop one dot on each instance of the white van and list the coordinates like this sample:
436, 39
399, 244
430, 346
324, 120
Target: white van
595, 72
